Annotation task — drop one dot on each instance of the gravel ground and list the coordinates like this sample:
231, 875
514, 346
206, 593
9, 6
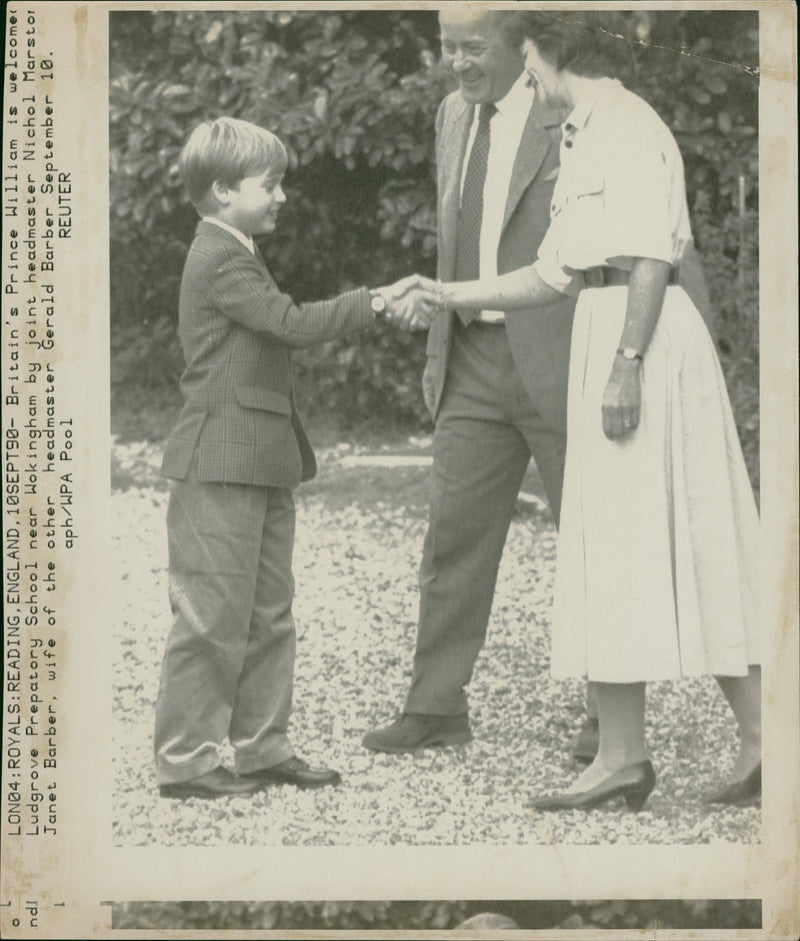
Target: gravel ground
359, 539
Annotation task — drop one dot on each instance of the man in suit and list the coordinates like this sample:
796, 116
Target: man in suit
496, 384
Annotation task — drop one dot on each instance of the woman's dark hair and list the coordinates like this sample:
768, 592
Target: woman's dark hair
590, 44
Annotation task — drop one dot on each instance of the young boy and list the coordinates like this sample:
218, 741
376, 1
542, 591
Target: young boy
237, 450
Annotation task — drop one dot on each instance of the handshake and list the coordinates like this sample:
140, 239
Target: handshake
412, 303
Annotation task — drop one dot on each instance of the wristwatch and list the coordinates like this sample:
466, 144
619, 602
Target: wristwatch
378, 304
628, 352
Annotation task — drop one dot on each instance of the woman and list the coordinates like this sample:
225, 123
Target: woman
657, 557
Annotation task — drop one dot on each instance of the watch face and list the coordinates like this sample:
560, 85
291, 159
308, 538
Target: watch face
378, 304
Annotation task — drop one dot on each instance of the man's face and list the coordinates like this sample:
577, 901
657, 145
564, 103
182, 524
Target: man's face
474, 49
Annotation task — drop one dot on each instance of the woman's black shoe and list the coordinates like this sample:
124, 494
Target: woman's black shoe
633, 782
587, 742
740, 792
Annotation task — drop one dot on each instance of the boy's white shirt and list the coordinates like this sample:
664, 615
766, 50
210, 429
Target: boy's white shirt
245, 240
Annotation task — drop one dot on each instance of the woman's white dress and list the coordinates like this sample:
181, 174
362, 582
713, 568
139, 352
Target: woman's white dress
657, 554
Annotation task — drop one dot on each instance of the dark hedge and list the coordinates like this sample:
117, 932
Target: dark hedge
719, 914
353, 95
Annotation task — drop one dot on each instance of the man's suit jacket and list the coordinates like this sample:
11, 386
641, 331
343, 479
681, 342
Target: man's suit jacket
539, 337
237, 330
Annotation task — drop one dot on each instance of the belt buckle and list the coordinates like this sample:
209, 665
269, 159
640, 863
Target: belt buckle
594, 278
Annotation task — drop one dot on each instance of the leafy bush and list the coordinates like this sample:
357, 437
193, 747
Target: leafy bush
353, 95
288, 915
622, 914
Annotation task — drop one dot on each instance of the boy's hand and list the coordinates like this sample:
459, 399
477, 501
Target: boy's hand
411, 302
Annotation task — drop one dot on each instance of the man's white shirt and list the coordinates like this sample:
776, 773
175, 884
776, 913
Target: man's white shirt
507, 126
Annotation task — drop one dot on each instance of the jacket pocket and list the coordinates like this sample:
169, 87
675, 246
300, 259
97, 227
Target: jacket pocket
588, 202
584, 222
580, 189
181, 444
588, 184
265, 399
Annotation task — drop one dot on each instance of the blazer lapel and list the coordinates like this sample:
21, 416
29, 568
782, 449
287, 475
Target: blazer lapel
533, 147
451, 161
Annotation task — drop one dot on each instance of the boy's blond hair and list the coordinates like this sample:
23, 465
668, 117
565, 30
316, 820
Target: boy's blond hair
227, 150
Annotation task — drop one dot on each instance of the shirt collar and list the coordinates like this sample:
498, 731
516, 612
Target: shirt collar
518, 99
244, 239
580, 114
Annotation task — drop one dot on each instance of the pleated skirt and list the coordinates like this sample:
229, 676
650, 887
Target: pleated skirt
657, 572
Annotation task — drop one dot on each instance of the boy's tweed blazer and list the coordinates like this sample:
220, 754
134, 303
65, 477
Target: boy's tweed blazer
237, 331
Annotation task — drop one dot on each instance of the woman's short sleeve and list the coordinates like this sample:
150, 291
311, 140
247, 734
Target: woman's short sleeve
640, 173
621, 188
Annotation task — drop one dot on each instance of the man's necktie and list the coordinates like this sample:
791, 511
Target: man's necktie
468, 237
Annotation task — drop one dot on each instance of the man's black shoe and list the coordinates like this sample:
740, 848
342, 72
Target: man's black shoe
413, 730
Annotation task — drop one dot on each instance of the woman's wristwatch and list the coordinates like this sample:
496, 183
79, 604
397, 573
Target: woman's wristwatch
629, 353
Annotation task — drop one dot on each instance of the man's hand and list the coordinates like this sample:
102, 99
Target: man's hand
412, 302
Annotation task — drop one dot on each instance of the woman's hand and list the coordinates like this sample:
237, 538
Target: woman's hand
412, 302
622, 399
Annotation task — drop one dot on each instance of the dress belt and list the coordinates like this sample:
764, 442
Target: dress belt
485, 324
605, 276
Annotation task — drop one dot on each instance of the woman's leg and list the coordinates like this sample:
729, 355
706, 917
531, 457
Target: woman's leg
621, 711
584, 748
744, 695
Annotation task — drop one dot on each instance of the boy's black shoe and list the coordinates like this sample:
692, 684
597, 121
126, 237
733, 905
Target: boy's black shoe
294, 771
218, 782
